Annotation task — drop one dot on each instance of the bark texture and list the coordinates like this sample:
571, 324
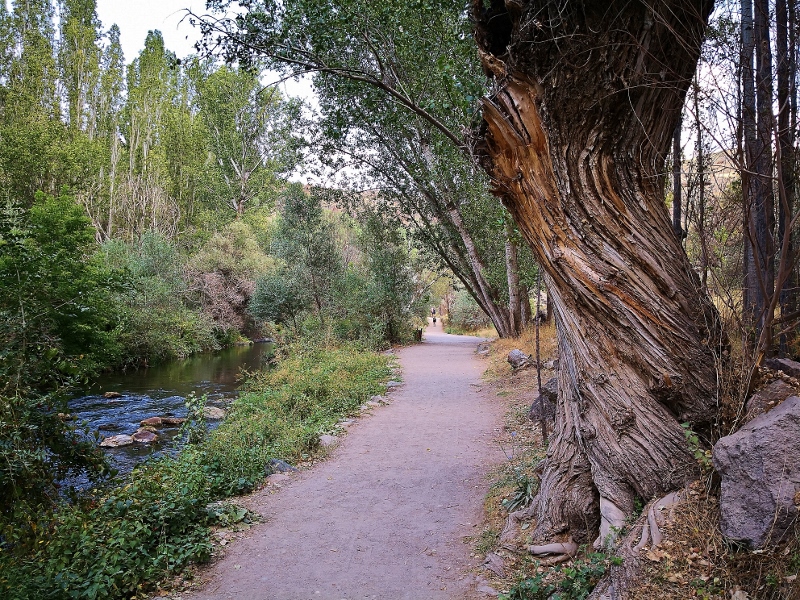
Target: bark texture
575, 139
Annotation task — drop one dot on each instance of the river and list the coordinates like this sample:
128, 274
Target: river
160, 391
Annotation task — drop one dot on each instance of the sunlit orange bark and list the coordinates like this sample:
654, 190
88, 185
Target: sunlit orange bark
575, 139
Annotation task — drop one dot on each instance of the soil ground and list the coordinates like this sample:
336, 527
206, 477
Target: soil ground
392, 514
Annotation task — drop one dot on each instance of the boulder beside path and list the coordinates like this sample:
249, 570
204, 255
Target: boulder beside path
760, 470
518, 359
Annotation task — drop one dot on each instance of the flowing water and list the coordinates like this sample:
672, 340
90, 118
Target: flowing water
161, 391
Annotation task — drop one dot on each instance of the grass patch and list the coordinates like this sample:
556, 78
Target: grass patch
487, 540
118, 543
485, 332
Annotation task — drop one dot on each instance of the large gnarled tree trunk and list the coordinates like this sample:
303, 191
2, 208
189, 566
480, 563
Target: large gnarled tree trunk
575, 140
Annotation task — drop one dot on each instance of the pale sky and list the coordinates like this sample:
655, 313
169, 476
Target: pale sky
136, 17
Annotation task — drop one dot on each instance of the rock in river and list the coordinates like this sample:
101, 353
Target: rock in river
152, 422
115, 441
144, 436
214, 413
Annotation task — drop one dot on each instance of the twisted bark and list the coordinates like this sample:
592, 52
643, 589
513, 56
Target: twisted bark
575, 139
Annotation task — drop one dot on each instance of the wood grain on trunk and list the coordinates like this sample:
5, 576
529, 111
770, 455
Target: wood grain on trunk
575, 140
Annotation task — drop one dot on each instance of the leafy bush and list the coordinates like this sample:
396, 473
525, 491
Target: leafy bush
37, 448
155, 319
466, 315
279, 298
108, 548
224, 272
574, 582
55, 303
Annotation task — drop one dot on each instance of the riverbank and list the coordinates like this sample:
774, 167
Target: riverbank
118, 543
116, 404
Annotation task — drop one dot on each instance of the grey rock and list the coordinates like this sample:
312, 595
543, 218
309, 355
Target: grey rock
760, 470
276, 465
115, 441
483, 349
327, 440
518, 359
550, 389
379, 399
542, 409
767, 398
495, 563
213, 413
393, 384
790, 367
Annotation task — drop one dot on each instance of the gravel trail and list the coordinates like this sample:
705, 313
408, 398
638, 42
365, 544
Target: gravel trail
389, 515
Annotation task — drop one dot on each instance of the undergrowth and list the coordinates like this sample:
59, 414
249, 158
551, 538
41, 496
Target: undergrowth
573, 582
116, 543
693, 561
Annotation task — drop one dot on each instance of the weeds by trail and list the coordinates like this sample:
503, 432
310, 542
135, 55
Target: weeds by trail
118, 542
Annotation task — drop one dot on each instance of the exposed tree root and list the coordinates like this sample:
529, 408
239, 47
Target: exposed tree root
511, 529
568, 548
549, 562
620, 579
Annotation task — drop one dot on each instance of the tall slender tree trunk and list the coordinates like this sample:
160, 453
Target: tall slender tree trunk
700, 160
575, 139
751, 300
762, 201
525, 302
677, 200
512, 276
490, 303
786, 188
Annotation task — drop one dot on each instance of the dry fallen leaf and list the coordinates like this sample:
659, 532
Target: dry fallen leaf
654, 555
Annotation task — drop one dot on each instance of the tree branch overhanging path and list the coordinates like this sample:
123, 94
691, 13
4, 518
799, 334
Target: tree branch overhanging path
391, 85
575, 140
386, 515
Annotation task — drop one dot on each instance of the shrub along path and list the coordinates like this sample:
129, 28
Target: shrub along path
390, 515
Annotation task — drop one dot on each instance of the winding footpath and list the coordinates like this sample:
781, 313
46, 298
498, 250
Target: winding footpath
391, 513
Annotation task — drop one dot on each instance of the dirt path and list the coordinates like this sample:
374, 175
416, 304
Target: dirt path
388, 515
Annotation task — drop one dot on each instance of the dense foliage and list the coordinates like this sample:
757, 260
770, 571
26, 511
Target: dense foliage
398, 84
